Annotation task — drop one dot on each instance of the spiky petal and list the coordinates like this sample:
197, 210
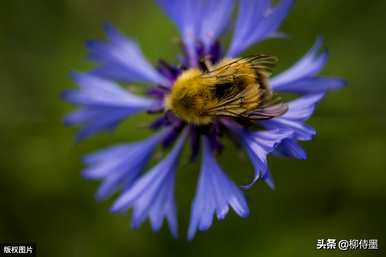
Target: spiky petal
258, 144
257, 20
153, 194
215, 194
103, 104
119, 166
302, 77
122, 59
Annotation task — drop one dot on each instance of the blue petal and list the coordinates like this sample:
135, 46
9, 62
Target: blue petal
301, 77
215, 194
257, 146
122, 59
198, 21
256, 21
215, 18
119, 166
312, 85
299, 111
103, 104
290, 148
309, 65
184, 14
152, 195
94, 90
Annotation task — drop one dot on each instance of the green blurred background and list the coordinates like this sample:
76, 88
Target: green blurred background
339, 192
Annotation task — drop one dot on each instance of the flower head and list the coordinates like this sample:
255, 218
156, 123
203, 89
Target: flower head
201, 100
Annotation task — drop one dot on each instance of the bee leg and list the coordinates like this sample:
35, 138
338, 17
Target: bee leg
245, 122
203, 65
155, 110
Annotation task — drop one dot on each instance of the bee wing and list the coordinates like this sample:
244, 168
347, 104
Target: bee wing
240, 104
229, 72
271, 108
254, 101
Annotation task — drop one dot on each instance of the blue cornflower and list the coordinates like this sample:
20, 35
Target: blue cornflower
103, 104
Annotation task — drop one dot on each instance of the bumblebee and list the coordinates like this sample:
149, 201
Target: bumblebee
235, 88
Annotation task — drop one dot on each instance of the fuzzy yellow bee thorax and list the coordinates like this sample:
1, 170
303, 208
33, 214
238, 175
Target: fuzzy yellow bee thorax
188, 97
